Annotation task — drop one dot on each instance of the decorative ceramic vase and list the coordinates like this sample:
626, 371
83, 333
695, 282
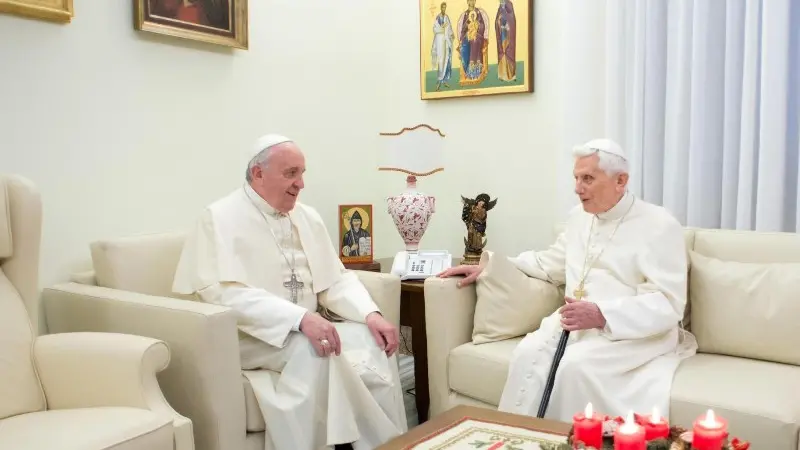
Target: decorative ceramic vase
411, 212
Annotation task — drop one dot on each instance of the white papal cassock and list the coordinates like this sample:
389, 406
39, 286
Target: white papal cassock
639, 282
239, 256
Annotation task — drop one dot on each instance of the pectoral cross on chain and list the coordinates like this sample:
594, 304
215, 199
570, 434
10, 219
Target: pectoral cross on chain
579, 293
293, 285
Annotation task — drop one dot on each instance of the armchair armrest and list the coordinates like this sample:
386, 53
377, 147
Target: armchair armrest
89, 370
385, 291
449, 318
203, 380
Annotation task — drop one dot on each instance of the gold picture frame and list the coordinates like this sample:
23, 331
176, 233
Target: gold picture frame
219, 22
51, 10
494, 38
356, 246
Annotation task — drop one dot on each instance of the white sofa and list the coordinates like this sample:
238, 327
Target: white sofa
129, 291
748, 365
74, 391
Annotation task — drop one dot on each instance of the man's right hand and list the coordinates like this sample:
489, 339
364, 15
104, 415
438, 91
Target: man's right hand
321, 333
470, 273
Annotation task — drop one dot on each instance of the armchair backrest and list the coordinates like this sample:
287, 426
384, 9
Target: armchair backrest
746, 246
746, 310
145, 264
20, 236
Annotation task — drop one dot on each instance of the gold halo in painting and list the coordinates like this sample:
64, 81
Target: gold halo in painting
364, 218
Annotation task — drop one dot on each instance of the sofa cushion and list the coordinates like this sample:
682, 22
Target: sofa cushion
510, 303
20, 391
144, 264
760, 400
746, 309
480, 371
6, 247
88, 428
748, 246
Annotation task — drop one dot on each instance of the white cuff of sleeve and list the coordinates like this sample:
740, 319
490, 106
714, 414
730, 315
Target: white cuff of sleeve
296, 326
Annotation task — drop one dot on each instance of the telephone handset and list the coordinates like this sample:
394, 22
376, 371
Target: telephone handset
421, 265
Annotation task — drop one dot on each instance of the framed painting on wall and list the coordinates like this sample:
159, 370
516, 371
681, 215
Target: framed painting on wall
355, 234
475, 47
52, 10
221, 22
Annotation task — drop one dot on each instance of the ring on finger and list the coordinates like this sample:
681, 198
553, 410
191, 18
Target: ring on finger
324, 342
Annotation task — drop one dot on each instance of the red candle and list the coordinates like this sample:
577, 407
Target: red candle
588, 428
629, 436
709, 432
655, 426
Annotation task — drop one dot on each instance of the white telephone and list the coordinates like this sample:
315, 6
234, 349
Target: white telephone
421, 265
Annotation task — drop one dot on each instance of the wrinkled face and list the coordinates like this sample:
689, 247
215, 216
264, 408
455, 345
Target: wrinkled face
597, 191
357, 224
282, 180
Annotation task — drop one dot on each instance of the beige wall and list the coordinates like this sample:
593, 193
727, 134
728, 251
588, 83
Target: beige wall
505, 145
129, 133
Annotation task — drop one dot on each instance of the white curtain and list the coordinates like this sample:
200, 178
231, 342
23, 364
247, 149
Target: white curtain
704, 96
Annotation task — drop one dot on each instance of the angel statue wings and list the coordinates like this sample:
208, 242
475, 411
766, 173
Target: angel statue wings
474, 214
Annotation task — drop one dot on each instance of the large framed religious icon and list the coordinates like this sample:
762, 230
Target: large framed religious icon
472, 48
220, 22
50, 10
355, 234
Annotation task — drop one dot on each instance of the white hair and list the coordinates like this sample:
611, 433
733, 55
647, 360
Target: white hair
260, 160
609, 163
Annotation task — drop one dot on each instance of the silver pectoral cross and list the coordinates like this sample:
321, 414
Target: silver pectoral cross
293, 285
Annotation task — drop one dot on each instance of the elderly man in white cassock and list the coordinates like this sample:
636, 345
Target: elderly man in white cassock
270, 258
623, 263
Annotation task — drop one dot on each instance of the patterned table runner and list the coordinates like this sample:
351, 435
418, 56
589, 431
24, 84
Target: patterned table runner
471, 434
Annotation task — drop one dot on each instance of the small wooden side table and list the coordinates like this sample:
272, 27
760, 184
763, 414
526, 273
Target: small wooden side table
374, 266
412, 314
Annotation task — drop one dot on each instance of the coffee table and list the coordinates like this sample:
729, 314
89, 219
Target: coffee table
462, 426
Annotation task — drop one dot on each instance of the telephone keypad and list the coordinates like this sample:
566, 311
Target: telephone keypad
418, 266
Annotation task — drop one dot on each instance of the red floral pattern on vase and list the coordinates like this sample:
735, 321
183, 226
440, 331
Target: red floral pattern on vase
411, 212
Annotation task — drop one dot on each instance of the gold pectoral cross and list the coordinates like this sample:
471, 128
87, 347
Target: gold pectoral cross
580, 292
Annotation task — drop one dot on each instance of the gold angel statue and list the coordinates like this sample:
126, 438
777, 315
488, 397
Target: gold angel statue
474, 214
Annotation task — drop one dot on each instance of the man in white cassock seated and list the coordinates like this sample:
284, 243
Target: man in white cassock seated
623, 263
333, 379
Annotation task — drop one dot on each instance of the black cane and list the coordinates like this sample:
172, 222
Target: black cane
551, 378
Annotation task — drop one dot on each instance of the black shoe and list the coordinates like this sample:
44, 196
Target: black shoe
343, 446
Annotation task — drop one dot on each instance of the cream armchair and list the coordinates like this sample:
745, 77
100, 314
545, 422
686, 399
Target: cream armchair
129, 291
71, 391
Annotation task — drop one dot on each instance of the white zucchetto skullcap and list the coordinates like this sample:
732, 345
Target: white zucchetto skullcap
604, 145
265, 142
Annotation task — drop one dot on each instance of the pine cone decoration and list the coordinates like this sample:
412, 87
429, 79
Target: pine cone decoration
675, 433
659, 444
